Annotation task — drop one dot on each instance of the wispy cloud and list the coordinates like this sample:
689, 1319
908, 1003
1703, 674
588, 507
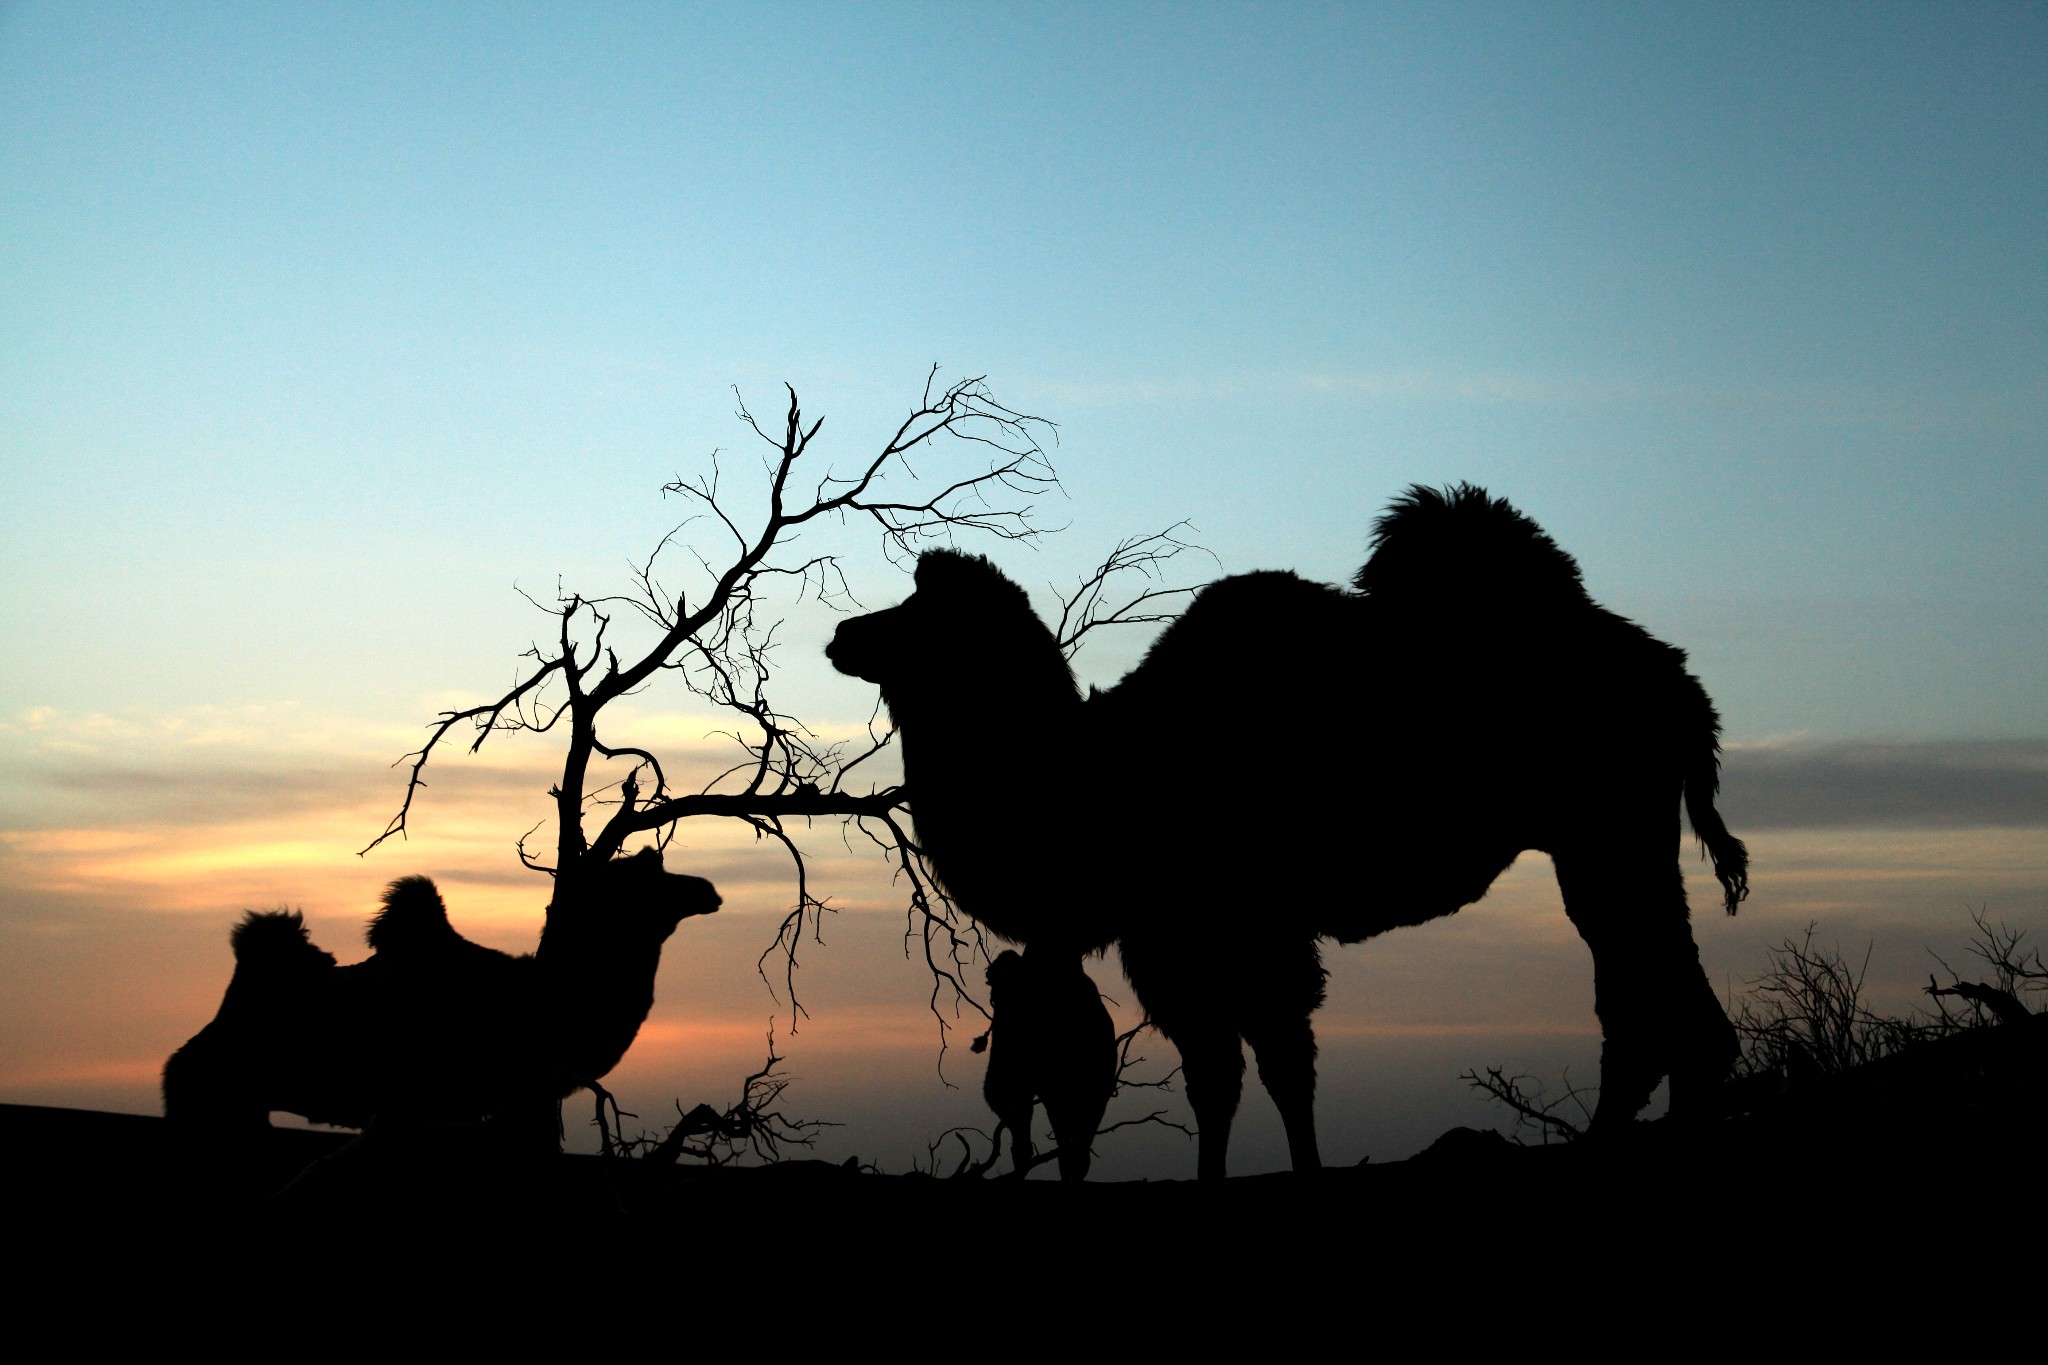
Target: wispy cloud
1425, 386
1943, 784
1505, 388
215, 811
212, 766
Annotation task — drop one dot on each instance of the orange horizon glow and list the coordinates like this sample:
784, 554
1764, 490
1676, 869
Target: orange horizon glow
117, 933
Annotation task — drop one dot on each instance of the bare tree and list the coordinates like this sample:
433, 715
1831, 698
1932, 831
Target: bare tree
1534, 1111
754, 1125
718, 641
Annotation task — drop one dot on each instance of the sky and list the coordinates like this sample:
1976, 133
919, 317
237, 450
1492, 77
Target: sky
327, 332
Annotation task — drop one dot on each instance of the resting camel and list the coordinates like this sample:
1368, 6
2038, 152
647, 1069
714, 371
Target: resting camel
431, 1026
1292, 762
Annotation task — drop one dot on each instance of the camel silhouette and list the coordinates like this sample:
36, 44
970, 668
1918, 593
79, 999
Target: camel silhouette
1292, 762
1052, 1042
432, 1027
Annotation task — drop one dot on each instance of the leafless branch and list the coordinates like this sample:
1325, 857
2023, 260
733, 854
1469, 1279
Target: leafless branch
2004, 1005
2017, 974
752, 1126
719, 642
1092, 605
1127, 1063
1524, 1095
950, 941
1806, 1016
971, 1167
487, 718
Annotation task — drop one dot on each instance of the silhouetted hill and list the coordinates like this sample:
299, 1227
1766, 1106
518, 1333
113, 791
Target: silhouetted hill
1901, 1163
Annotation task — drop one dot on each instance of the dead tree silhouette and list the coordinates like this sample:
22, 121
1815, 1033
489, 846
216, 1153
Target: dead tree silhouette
712, 630
432, 1026
1051, 1041
1467, 702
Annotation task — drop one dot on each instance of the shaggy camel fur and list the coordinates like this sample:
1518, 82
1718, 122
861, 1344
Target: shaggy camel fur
1293, 762
432, 1026
1052, 1041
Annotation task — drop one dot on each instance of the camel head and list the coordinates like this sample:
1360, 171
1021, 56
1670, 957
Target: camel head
630, 904
966, 625
600, 950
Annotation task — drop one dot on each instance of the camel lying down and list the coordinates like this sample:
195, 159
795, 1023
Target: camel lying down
431, 1026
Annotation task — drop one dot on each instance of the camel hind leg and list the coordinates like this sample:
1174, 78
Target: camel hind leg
1212, 1063
1276, 1024
1658, 1015
1074, 1122
1017, 1122
1014, 1103
1707, 1050
1286, 1049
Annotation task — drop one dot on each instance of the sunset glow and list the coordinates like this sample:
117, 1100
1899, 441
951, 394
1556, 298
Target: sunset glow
336, 341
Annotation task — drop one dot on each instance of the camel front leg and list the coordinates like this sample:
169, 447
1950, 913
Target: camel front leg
1286, 1049
1213, 1064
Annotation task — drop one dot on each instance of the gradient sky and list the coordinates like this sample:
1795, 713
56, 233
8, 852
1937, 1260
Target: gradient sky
323, 327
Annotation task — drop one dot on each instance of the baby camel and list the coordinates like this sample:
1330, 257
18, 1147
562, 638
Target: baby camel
1051, 1042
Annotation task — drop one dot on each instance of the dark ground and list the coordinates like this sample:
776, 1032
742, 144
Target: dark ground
1912, 1188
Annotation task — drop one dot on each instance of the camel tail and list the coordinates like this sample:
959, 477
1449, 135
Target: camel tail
1730, 856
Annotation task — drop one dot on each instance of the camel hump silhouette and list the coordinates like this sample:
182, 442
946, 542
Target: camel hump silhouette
413, 918
1461, 581
279, 940
1460, 547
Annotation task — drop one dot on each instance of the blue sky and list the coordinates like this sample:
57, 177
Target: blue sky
1747, 307
322, 326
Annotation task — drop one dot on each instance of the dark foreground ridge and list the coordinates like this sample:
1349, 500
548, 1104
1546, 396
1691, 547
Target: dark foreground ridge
1899, 1160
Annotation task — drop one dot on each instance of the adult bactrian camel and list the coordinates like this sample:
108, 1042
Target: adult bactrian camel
1292, 762
432, 1026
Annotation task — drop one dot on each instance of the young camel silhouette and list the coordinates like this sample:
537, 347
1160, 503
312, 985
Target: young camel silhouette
1051, 1041
432, 1026
1292, 762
